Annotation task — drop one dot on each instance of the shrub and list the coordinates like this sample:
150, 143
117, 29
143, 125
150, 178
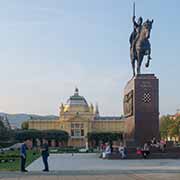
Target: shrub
104, 136
40, 134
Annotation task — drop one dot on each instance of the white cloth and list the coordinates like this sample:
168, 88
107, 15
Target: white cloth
106, 152
121, 151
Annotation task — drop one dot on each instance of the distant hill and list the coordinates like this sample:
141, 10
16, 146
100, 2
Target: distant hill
17, 119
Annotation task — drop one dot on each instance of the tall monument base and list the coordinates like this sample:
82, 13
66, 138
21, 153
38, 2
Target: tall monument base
141, 108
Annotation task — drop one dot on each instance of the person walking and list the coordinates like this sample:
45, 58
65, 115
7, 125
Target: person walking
45, 154
23, 155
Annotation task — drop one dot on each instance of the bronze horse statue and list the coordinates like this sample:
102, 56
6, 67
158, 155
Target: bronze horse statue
141, 47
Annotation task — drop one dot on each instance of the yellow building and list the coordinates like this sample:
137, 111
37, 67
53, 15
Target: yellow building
78, 118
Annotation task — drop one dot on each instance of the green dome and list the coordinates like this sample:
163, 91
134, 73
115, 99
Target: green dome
76, 100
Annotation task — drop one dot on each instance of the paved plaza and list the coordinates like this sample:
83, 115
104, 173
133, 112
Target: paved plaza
129, 176
91, 162
90, 167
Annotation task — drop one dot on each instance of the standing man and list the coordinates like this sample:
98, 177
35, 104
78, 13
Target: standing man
45, 154
23, 155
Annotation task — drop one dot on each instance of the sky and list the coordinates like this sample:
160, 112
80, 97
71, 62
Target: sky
49, 47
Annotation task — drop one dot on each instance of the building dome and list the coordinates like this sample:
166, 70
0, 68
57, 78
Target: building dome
76, 103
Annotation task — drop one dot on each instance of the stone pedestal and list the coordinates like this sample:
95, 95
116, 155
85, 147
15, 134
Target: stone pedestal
141, 109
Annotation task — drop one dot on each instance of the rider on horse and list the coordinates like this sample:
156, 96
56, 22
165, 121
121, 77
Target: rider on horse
135, 36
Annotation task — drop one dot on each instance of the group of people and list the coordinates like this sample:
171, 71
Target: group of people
44, 153
160, 144
145, 151
107, 149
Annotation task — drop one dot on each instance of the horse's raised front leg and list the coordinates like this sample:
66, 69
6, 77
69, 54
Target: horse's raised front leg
148, 58
138, 70
133, 63
133, 67
139, 62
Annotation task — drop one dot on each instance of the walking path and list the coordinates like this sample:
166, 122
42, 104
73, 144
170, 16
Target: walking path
90, 167
91, 162
130, 176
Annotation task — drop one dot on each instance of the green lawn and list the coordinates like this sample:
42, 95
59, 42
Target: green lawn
15, 165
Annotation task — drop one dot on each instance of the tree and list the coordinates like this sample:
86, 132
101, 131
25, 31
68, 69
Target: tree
3, 132
25, 125
174, 128
170, 127
6, 136
55, 134
165, 124
104, 137
40, 134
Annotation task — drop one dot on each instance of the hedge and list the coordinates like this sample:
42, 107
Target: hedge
40, 134
104, 136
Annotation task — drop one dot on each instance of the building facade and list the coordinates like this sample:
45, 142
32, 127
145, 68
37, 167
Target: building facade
78, 118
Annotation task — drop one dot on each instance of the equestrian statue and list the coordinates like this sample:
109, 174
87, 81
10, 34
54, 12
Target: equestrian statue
139, 42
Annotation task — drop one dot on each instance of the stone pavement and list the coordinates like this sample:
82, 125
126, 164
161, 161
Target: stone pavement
91, 162
148, 176
90, 167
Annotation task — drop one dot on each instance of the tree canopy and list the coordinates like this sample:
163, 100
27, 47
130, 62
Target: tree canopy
25, 125
4, 132
46, 134
104, 136
170, 127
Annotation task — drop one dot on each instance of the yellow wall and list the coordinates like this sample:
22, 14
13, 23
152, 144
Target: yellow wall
108, 126
78, 114
88, 126
43, 125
